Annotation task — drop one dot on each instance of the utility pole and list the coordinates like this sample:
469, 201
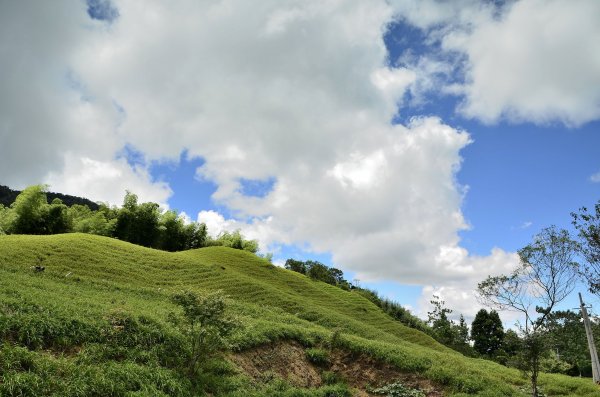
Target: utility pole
590, 339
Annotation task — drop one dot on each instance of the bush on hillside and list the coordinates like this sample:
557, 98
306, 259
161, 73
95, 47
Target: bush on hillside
206, 327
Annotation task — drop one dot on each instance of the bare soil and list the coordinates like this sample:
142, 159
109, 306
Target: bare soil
287, 360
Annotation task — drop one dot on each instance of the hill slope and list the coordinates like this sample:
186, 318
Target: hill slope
95, 323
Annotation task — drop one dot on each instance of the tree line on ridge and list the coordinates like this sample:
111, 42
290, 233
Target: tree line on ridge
138, 223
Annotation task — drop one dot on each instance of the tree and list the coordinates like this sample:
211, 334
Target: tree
6, 215
337, 275
462, 334
588, 226
56, 218
84, 220
196, 235
487, 332
567, 338
146, 231
172, 232
250, 246
546, 276
295, 266
442, 326
511, 343
124, 228
318, 271
138, 223
446, 331
29, 210
236, 240
206, 326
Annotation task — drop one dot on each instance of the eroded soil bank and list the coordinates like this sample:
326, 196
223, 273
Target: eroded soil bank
288, 360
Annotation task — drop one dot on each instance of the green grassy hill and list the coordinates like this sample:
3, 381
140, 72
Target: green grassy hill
95, 322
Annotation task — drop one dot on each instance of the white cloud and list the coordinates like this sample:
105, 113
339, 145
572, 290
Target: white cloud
298, 92
595, 178
107, 181
526, 225
361, 172
216, 223
459, 294
254, 230
530, 60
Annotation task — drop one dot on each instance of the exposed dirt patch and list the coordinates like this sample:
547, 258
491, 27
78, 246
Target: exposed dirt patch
362, 371
284, 359
288, 360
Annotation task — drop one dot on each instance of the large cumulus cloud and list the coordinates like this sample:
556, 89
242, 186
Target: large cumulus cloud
299, 93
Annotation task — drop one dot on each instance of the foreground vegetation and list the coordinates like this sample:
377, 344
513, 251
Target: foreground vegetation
101, 319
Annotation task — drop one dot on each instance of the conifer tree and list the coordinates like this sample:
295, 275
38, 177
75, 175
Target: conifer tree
487, 332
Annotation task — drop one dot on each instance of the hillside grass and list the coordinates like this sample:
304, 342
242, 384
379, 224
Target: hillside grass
95, 323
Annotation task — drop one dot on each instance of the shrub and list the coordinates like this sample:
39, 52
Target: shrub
330, 378
205, 326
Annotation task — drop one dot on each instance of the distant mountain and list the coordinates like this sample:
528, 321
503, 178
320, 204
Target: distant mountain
8, 196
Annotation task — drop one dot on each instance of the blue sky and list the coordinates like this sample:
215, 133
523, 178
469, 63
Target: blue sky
415, 145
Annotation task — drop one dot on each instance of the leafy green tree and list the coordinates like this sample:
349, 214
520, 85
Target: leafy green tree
29, 211
487, 332
511, 343
567, 339
236, 240
85, 220
546, 276
338, 276
250, 246
233, 240
206, 327
553, 363
6, 215
146, 224
295, 266
462, 331
510, 349
318, 271
125, 225
446, 331
172, 232
588, 225
443, 328
56, 217
196, 235
138, 223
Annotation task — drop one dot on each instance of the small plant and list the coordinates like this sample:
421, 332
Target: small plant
397, 389
317, 356
330, 378
206, 327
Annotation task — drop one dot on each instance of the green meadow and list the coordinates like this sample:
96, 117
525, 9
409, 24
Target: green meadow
96, 322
